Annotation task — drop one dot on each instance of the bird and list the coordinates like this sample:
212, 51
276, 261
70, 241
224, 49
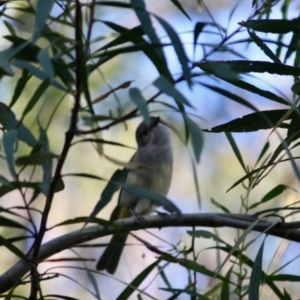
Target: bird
154, 160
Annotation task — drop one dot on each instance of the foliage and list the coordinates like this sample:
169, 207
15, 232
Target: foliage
64, 55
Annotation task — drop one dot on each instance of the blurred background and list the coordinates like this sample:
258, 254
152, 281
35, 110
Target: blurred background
217, 171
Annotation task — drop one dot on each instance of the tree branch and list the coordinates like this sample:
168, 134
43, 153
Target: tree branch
287, 231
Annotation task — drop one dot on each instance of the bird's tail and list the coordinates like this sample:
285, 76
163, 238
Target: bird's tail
110, 258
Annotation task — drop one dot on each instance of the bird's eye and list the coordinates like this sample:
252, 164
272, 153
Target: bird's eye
145, 132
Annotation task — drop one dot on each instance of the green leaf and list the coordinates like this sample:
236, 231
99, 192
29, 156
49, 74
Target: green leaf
5, 66
293, 47
196, 182
165, 86
60, 186
129, 35
218, 205
4, 189
42, 75
284, 277
154, 197
140, 44
178, 47
247, 66
193, 266
80, 220
39, 92
22, 49
296, 88
196, 137
112, 186
279, 189
276, 191
46, 63
133, 285
264, 47
9, 141
9, 27
256, 275
140, 102
239, 241
230, 95
247, 261
146, 23
34, 159
43, 9
9, 122
206, 235
20, 87
11, 223
225, 292
255, 121
26, 136
263, 152
236, 150
192, 293
273, 26
5, 242
197, 30
180, 7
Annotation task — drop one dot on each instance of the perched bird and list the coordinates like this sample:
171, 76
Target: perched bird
154, 158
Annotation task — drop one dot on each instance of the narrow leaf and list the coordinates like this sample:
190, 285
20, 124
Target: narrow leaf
256, 275
218, 205
6, 243
46, 63
236, 150
11, 223
196, 137
264, 47
20, 86
9, 141
182, 57
42, 75
154, 197
133, 285
43, 9
39, 92
34, 159
112, 186
140, 102
164, 85
230, 95
144, 17
248, 66
254, 121
206, 235
273, 26
225, 291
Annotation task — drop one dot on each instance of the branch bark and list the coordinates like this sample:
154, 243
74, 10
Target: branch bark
13, 276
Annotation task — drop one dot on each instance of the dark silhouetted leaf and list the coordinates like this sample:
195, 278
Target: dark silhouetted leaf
140, 102
112, 186
253, 122
154, 197
206, 235
134, 284
264, 47
247, 66
37, 158
256, 273
273, 26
